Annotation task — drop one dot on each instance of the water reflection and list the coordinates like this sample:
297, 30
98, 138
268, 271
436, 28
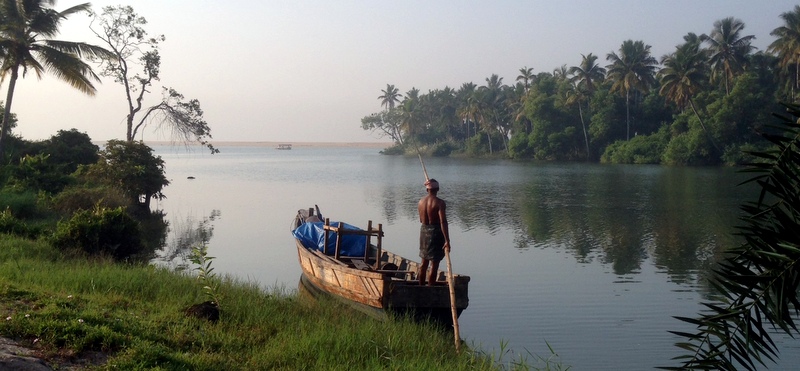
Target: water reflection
185, 234
154, 233
594, 260
620, 216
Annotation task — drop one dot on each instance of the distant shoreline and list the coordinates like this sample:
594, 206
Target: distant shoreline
275, 144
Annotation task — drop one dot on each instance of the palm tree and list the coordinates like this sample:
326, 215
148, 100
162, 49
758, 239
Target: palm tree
494, 82
390, 96
582, 85
787, 44
683, 76
561, 72
526, 76
576, 95
632, 69
26, 31
728, 49
491, 106
468, 106
411, 113
588, 74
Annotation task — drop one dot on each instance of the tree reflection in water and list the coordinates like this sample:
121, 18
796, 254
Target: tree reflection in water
184, 235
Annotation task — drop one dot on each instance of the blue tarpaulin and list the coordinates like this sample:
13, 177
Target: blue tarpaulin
312, 235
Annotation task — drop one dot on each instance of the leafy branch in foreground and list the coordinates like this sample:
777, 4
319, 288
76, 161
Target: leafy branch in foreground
759, 279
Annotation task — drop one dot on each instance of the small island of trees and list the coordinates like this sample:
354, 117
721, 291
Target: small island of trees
703, 104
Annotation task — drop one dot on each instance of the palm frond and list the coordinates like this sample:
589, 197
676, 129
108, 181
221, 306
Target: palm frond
69, 68
758, 281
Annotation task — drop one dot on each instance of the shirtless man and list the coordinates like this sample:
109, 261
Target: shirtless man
434, 237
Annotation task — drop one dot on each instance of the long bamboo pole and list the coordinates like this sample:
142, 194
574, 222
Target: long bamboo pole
450, 280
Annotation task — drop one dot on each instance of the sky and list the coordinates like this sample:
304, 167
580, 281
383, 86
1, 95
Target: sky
308, 71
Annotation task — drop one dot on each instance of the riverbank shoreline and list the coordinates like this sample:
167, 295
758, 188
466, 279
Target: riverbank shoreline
72, 313
380, 145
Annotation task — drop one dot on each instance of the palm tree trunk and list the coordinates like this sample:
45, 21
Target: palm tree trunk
585, 137
12, 83
627, 114
710, 138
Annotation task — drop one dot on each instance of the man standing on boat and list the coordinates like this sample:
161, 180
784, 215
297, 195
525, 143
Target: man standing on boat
434, 236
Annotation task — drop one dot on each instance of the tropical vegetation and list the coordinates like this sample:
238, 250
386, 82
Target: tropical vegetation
705, 103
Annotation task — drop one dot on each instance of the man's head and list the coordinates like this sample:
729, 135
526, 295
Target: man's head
432, 185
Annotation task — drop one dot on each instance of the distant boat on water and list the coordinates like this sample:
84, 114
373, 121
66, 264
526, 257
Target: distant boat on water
284, 146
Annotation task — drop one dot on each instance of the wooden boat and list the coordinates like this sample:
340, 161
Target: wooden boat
376, 282
284, 146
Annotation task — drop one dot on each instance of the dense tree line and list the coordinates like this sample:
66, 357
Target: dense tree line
704, 103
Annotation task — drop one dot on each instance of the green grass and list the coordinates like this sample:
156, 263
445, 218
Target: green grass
134, 315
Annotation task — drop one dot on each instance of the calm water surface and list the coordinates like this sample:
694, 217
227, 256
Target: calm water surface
593, 260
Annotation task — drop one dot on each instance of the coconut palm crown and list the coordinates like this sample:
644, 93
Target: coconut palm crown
27, 28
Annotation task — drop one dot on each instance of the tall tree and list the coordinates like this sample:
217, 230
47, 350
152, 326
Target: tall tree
561, 72
526, 76
683, 76
390, 96
27, 29
584, 79
468, 106
577, 95
787, 45
633, 69
493, 109
121, 29
588, 74
729, 49
411, 114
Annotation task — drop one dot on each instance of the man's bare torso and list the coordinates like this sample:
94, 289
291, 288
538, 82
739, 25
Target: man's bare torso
430, 208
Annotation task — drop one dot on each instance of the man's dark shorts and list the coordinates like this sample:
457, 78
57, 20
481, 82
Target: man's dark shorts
431, 242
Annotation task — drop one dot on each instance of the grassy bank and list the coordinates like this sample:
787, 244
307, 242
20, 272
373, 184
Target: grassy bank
132, 317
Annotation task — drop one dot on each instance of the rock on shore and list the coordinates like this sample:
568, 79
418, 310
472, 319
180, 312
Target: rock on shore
14, 357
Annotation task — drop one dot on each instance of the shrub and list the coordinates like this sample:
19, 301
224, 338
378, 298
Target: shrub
100, 231
443, 149
131, 167
11, 225
397, 149
37, 172
79, 198
641, 149
477, 146
21, 204
518, 146
740, 154
70, 148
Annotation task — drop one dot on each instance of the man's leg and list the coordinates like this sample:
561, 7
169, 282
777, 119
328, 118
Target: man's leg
423, 270
434, 272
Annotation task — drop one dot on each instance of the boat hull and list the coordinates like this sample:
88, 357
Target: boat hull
382, 290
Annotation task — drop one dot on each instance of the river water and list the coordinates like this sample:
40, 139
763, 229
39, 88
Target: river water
590, 260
